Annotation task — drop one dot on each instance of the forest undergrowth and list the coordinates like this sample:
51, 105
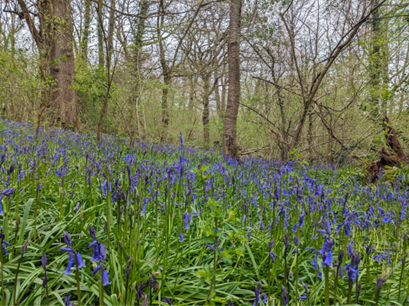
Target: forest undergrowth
87, 223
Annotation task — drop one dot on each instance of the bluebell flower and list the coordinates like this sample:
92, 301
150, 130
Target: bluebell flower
44, 265
284, 295
352, 267
270, 246
210, 247
326, 252
3, 243
73, 260
296, 240
187, 218
306, 294
166, 300
105, 279
379, 284
99, 250
181, 237
8, 192
67, 301
286, 242
257, 293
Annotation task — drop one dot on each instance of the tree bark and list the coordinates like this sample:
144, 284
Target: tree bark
101, 56
375, 61
85, 32
62, 70
109, 51
206, 111
165, 108
111, 24
165, 73
230, 147
137, 61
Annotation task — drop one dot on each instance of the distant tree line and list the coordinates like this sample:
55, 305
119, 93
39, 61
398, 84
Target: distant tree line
280, 79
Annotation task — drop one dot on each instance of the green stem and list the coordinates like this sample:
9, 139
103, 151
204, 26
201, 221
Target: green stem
101, 291
77, 276
327, 286
2, 275
349, 291
15, 280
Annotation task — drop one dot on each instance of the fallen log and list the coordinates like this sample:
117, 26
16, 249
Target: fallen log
387, 158
392, 141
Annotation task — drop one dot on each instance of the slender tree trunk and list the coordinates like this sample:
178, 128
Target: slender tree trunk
375, 62
165, 108
284, 147
206, 112
230, 147
111, 24
310, 139
165, 73
109, 51
85, 32
101, 56
137, 51
192, 83
218, 100
62, 70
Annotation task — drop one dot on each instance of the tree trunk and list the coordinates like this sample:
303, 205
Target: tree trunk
230, 147
62, 70
111, 24
85, 32
104, 109
206, 112
283, 128
165, 108
100, 21
138, 42
165, 73
218, 100
375, 62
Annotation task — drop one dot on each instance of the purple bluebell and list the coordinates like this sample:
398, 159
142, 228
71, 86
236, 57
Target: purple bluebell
210, 246
379, 284
98, 247
257, 293
73, 260
3, 242
352, 267
105, 278
166, 300
270, 246
305, 296
296, 240
284, 295
44, 265
139, 291
67, 301
8, 192
286, 242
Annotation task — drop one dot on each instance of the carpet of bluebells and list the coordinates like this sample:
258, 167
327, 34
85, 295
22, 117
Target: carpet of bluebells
84, 223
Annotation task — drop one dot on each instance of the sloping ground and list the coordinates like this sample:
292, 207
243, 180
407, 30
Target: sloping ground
170, 225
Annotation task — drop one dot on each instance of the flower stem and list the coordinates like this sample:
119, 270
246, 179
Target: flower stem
101, 291
15, 279
77, 276
327, 286
2, 274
